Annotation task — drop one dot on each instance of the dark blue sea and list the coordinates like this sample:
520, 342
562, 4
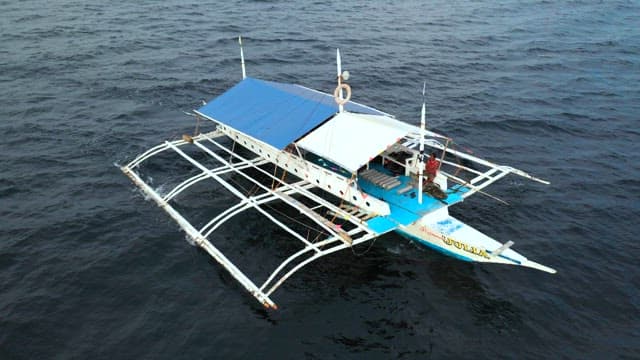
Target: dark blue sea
91, 269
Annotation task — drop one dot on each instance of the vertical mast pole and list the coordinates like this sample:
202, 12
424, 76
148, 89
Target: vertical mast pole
423, 115
339, 65
244, 72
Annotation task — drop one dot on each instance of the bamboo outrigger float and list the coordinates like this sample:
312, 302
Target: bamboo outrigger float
352, 171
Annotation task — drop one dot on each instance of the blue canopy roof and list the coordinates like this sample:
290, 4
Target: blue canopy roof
275, 113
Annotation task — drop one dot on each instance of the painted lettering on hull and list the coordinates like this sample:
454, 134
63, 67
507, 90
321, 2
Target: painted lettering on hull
457, 244
464, 246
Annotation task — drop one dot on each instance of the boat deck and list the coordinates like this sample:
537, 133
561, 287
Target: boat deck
401, 193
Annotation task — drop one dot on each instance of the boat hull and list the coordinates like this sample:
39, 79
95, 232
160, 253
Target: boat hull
454, 238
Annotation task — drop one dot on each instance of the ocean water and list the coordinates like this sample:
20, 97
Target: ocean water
90, 269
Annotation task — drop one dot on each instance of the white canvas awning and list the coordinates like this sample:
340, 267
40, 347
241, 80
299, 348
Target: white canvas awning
351, 140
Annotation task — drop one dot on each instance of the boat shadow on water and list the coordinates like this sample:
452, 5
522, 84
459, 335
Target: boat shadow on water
460, 285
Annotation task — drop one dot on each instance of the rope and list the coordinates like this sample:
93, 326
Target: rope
309, 228
335, 214
458, 161
233, 149
252, 191
284, 174
273, 179
197, 129
367, 250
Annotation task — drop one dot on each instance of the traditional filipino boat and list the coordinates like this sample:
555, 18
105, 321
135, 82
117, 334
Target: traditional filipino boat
353, 172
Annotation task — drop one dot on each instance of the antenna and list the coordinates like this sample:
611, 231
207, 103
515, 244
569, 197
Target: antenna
338, 62
423, 115
244, 72
339, 65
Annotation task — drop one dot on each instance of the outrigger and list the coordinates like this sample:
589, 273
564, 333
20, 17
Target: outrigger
352, 171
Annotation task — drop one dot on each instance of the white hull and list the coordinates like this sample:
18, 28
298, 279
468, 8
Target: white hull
446, 234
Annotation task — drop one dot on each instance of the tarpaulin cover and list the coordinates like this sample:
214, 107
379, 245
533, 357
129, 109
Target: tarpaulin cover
351, 140
274, 113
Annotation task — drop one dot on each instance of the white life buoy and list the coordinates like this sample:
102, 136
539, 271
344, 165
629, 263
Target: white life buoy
336, 93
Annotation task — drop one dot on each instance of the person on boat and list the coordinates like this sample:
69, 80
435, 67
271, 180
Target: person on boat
432, 167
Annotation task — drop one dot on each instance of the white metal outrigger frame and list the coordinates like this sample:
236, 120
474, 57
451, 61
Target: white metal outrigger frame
481, 180
355, 231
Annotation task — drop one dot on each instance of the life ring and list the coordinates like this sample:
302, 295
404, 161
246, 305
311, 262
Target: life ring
336, 93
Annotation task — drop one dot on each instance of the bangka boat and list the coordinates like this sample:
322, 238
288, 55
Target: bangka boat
351, 171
